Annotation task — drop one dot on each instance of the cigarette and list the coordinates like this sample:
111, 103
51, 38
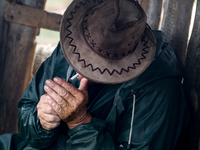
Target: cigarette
74, 77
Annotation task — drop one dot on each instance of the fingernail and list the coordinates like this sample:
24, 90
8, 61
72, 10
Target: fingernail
46, 87
55, 79
48, 81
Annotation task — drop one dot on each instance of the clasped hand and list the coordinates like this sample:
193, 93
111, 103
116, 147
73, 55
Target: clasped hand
64, 102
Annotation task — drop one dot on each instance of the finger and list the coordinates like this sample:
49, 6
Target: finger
50, 118
49, 126
80, 77
57, 88
43, 99
52, 94
69, 87
57, 108
47, 109
84, 85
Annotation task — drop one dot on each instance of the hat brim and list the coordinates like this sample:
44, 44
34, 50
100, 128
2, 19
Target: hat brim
90, 64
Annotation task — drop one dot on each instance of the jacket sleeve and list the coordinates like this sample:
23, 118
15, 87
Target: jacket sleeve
158, 120
91, 136
28, 121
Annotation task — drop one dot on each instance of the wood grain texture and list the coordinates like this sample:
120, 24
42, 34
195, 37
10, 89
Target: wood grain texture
20, 41
192, 82
18, 57
2, 37
176, 25
153, 11
39, 4
32, 16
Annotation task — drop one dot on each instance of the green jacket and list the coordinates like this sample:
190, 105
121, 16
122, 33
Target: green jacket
160, 111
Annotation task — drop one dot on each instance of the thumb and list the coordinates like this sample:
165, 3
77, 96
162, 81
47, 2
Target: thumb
83, 85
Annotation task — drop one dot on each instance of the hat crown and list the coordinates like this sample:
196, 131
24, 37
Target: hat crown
97, 37
114, 28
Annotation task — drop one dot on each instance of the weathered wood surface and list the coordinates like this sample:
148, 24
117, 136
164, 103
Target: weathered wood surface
176, 25
192, 82
19, 40
39, 4
17, 52
153, 10
32, 17
2, 43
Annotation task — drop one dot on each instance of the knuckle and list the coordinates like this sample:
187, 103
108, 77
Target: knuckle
59, 99
63, 93
46, 127
52, 118
76, 105
51, 111
38, 112
39, 108
43, 96
81, 99
58, 108
57, 124
54, 125
42, 99
39, 115
43, 123
50, 91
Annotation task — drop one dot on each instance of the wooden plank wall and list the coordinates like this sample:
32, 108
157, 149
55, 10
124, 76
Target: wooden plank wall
192, 82
171, 16
2, 43
176, 26
175, 23
17, 55
153, 10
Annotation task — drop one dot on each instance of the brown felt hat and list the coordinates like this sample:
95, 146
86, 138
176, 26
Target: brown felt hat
107, 41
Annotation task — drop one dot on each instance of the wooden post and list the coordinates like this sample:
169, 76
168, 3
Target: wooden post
153, 10
2, 39
176, 25
19, 40
192, 83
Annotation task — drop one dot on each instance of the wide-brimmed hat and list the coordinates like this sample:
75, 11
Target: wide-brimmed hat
107, 41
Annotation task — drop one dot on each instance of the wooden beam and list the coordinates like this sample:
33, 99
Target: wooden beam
39, 4
192, 82
32, 16
176, 25
2, 39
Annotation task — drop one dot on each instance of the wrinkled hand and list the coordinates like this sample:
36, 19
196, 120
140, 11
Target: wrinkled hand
48, 117
69, 102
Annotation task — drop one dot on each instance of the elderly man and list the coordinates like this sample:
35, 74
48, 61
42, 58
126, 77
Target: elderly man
128, 94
